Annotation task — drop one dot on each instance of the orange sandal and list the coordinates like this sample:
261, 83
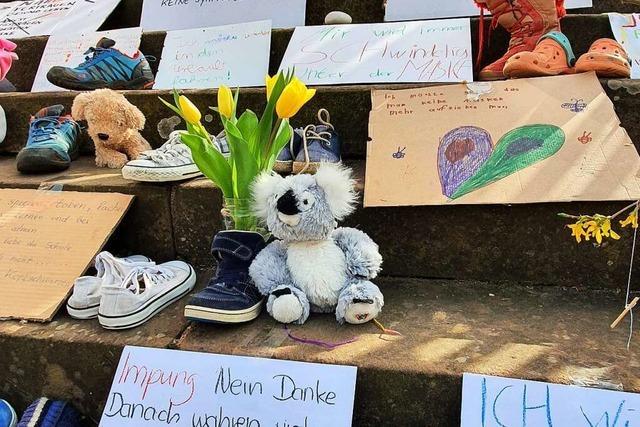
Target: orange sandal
607, 58
552, 56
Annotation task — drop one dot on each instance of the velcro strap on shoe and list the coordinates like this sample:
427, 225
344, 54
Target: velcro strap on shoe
225, 244
564, 42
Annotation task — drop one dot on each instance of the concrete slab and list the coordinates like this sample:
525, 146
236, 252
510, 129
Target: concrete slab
551, 334
147, 227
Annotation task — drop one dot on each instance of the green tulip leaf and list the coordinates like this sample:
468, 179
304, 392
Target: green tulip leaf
210, 162
244, 164
247, 124
173, 107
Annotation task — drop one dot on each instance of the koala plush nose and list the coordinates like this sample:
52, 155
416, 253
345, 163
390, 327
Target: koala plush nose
103, 136
288, 204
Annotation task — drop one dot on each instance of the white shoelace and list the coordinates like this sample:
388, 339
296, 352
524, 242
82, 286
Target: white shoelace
171, 153
140, 279
310, 133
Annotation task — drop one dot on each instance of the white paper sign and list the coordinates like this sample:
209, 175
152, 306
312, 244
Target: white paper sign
86, 16
406, 10
626, 29
165, 15
68, 50
494, 402
234, 55
157, 387
34, 18
403, 52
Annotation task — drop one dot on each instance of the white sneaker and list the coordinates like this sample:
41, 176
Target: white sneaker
85, 300
171, 162
143, 293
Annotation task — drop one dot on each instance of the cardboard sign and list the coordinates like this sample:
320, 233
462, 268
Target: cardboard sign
548, 139
165, 15
234, 55
626, 29
34, 18
47, 240
489, 401
155, 387
68, 50
422, 51
406, 10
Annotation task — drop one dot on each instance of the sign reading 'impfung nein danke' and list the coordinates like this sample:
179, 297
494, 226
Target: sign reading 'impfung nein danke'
156, 387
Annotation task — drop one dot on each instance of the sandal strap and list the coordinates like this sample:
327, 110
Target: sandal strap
564, 42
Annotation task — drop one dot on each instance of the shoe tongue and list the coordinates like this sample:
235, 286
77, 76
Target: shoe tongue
105, 43
52, 111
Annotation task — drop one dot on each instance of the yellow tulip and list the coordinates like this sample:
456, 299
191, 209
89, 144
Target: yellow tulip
225, 101
189, 111
293, 97
270, 83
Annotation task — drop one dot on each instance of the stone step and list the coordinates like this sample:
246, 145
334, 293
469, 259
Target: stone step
127, 14
524, 243
30, 49
349, 107
554, 334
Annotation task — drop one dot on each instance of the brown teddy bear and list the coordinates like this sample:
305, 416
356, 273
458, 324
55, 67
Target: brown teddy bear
113, 125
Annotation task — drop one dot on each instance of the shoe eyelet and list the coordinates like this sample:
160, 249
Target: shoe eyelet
535, 61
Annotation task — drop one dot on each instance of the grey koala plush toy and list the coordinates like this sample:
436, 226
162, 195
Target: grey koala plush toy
314, 266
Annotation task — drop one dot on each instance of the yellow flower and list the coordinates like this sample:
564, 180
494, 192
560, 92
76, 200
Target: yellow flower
225, 101
189, 111
270, 83
577, 231
293, 97
632, 220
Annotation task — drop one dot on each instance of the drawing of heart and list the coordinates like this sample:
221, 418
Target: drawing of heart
468, 166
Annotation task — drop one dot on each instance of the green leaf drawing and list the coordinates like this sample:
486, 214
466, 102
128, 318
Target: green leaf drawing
516, 150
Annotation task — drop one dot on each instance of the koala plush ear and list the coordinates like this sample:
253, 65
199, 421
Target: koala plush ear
262, 189
80, 103
133, 117
338, 188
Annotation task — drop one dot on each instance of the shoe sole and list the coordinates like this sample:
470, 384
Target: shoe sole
83, 313
311, 168
139, 83
151, 308
160, 174
212, 315
39, 160
283, 167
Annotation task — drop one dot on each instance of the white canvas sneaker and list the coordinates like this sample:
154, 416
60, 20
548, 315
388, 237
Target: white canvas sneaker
143, 293
171, 162
85, 300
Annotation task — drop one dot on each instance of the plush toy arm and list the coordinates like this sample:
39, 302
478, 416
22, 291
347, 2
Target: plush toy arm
361, 252
269, 269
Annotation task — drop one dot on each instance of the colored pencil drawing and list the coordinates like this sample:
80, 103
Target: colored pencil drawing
466, 164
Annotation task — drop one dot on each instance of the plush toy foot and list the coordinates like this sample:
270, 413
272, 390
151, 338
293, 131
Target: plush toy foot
288, 305
361, 311
359, 303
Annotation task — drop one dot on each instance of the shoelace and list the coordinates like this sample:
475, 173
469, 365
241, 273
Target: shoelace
43, 128
92, 54
170, 153
142, 278
310, 133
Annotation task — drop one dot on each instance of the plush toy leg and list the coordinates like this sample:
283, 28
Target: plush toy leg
287, 304
359, 302
106, 157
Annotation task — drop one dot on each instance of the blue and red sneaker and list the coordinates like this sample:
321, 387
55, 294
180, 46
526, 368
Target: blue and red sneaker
106, 67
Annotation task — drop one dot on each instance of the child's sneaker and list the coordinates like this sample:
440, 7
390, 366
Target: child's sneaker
105, 68
50, 413
230, 296
320, 143
110, 271
52, 143
143, 293
8, 417
284, 162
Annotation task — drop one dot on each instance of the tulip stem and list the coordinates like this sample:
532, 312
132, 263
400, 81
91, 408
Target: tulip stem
272, 137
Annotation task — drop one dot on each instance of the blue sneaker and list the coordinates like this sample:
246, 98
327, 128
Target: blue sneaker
52, 144
320, 143
230, 296
105, 68
8, 417
284, 161
50, 413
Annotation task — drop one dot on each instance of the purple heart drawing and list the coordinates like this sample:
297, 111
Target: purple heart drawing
461, 153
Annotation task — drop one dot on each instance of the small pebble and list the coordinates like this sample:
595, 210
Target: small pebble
337, 17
